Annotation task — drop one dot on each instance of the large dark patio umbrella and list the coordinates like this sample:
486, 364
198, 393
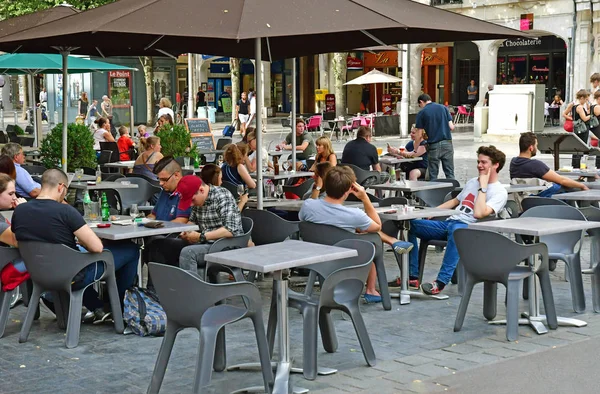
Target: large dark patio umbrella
248, 28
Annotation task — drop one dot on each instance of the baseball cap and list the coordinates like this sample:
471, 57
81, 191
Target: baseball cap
186, 188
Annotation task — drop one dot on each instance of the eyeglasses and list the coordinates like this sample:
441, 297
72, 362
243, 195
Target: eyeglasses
166, 180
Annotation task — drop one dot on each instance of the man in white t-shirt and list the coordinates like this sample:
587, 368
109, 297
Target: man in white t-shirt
340, 182
481, 197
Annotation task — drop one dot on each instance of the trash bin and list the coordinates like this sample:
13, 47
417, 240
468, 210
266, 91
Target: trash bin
202, 112
212, 111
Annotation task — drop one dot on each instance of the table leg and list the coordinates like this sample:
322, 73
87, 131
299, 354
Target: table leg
405, 292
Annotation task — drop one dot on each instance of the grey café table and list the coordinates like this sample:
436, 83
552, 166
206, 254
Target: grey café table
284, 174
588, 174
135, 231
295, 205
582, 195
127, 164
393, 160
276, 258
536, 227
410, 186
103, 186
387, 213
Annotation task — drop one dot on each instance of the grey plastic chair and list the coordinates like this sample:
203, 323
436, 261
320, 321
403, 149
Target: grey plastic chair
7, 255
372, 198
52, 268
434, 197
364, 178
268, 227
593, 214
209, 315
141, 195
534, 201
341, 289
153, 182
564, 246
501, 265
231, 187
241, 241
329, 235
301, 189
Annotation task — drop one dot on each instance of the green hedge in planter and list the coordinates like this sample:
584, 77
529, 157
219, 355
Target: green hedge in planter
175, 141
80, 147
19, 130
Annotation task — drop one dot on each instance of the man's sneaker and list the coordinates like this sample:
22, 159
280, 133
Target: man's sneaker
100, 316
432, 288
397, 283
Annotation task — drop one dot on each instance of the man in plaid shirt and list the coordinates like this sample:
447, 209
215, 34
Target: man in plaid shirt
214, 210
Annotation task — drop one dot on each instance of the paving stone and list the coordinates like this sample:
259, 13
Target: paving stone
502, 352
479, 358
426, 387
457, 364
431, 370
404, 376
463, 348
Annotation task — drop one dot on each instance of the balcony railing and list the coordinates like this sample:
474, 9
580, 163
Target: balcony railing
444, 2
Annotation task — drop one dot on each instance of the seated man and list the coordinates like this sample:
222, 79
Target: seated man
361, 153
214, 211
482, 196
25, 185
305, 146
169, 174
61, 225
340, 182
522, 167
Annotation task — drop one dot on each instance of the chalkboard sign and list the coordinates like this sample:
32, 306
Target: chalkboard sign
198, 125
203, 141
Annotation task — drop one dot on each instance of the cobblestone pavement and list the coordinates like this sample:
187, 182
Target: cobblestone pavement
415, 344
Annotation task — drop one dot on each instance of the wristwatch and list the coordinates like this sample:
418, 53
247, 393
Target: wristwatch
483, 189
202, 239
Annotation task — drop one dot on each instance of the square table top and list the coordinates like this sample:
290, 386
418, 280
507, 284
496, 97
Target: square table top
121, 164
411, 186
279, 256
578, 173
534, 226
117, 232
295, 205
284, 175
103, 186
398, 160
417, 213
582, 195
523, 188
210, 152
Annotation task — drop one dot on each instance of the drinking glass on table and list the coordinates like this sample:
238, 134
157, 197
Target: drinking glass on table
95, 211
79, 175
186, 162
279, 191
133, 211
286, 166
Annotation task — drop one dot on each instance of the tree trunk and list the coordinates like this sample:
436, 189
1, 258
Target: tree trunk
339, 70
148, 64
234, 65
23, 82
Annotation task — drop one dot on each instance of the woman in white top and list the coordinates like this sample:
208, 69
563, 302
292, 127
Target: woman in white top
165, 108
102, 133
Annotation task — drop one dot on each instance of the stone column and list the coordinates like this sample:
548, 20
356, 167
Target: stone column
415, 76
488, 65
582, 49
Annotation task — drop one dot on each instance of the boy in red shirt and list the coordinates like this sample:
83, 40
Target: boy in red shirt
124, 143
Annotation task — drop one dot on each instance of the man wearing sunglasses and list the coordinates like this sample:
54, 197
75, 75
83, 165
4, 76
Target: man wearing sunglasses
169, 174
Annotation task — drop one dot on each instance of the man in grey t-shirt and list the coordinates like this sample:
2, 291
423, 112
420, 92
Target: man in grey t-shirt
340, 182
472, 92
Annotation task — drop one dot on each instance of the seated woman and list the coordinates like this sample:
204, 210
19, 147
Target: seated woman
7, 166
102, 133
250, 139
211, 174
233, 168
318, 189
414, 169
325, 152
15, 274
144, 164
164, 120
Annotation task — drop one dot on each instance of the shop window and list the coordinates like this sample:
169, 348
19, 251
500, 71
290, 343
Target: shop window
502, 77
517, 69
539, 68
75, 88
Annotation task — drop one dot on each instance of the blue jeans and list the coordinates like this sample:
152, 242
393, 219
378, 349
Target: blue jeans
443, 152
552, 190
435, 230
126, 256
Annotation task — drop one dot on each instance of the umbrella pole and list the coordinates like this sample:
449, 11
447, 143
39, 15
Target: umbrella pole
259, 152
293, 120
34, 111
65, 115
372, 117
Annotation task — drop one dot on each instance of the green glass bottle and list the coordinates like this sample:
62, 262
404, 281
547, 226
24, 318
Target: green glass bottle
105, 208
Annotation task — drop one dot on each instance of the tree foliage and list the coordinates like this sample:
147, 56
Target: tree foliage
80, 147
12, 8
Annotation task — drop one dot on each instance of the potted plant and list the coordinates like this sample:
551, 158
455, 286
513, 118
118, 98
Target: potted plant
174, 140
19, 130
80, 147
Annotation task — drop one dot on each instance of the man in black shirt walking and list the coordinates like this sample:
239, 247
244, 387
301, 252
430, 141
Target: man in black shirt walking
242, 110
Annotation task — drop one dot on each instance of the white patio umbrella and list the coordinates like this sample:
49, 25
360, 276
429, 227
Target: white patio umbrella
374, 77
